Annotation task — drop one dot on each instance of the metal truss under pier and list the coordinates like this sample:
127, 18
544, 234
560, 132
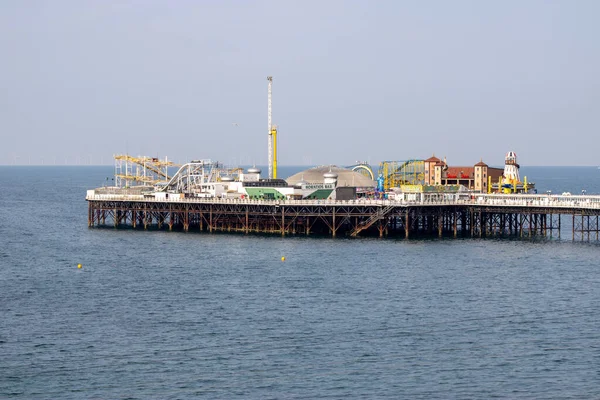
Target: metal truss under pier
349, 218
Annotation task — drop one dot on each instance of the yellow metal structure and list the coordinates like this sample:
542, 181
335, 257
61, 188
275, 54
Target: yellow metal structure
134, 171
398, 173
274, 135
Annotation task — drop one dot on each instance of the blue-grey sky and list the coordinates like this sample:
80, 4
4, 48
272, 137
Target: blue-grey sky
81, 81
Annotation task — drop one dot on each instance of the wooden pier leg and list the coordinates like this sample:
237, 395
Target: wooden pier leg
406, 225
455, 224
210, 219
334, 228
282, 221
544, 224
521, 217
247, 228
482, 223
472, 223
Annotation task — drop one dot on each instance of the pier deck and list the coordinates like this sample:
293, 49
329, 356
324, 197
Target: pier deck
472, 215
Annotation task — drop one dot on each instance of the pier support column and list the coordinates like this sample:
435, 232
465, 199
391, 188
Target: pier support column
472, 222
406, 225
543, 224
333, 227
282, 221
455, 224
521, 217
186, 220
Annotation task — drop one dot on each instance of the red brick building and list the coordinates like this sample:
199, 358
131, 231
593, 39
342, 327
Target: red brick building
438, 172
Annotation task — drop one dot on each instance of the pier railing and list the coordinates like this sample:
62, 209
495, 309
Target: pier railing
550, 201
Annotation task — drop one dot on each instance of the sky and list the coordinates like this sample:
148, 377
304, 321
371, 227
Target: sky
81, 81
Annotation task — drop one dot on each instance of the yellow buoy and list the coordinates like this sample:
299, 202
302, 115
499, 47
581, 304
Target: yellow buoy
78, 265
282, 258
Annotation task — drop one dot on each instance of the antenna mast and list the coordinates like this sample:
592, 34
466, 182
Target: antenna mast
270, 79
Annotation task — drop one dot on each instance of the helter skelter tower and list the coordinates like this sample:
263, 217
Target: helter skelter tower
511, 168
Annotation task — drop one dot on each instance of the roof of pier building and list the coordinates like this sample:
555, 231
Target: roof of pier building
460, 172
433, 159
346, 177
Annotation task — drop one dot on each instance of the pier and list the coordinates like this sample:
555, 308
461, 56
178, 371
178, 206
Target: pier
431, 215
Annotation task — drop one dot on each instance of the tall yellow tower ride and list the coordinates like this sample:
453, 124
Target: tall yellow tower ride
274, 137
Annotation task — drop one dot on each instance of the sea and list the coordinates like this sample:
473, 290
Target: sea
174, 315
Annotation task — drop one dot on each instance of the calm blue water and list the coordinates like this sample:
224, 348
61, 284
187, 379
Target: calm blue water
159, 315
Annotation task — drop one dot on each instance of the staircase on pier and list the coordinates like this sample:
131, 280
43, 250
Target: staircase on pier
379, 215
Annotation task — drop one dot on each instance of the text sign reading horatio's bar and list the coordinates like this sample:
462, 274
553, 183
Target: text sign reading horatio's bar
316, 186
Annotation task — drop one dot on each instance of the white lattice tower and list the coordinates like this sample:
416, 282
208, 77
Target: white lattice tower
270, 79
